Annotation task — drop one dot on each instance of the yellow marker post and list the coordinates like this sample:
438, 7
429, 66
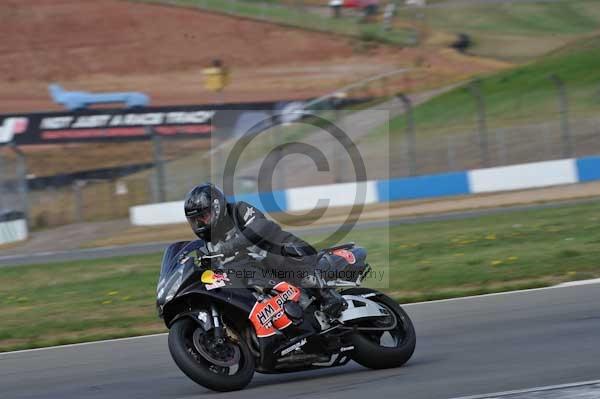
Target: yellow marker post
215, 78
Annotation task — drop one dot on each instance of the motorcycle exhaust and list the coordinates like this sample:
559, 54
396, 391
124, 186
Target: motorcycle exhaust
300, 359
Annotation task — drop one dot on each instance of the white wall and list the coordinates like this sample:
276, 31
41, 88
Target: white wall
155, 214
516, 177
305, 198
13, 231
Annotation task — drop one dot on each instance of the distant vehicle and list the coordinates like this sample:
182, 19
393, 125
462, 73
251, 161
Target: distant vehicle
74, 100
360, 4
336, 6
367, 7
7, 215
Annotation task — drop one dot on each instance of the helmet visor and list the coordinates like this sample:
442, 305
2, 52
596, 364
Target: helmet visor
201, 220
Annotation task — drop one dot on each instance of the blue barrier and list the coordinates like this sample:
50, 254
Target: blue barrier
419, 187
446, 184
588, 169
265, 202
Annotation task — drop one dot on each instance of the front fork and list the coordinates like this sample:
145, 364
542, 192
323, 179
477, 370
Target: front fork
217, 324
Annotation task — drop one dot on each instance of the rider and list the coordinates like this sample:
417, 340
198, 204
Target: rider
230, 228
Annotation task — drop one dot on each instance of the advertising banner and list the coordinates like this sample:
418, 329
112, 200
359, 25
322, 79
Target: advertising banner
127, 124
94, 125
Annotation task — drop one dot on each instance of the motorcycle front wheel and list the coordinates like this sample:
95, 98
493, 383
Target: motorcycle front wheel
220, 366
390, 347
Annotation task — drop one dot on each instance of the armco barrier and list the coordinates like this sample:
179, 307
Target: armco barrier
514, 177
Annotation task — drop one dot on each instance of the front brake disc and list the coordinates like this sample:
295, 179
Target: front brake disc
226, 354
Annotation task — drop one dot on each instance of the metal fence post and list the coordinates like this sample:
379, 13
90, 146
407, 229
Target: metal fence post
2, 174
159, 192
451, 152
22, 178
563, 104
278, 141
78, 197
475, 89
410, 133
501, 147
337, 162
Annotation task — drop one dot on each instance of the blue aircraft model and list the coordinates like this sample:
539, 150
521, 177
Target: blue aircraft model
74, 100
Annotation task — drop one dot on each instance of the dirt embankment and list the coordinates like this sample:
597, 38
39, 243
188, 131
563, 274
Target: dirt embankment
121, 45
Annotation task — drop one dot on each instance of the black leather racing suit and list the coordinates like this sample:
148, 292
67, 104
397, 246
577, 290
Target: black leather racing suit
281, 254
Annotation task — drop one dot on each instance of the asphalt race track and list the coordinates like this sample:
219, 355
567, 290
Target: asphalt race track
468, 346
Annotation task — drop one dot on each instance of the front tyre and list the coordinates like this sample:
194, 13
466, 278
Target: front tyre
228, 366
384, 349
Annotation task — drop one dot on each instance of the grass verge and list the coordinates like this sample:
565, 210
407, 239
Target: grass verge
514, 31
521, 96
97, 299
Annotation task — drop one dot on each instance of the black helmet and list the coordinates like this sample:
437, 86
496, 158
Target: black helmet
204, 208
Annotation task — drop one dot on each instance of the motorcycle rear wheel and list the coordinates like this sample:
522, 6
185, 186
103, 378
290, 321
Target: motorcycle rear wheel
195, 363
381, 350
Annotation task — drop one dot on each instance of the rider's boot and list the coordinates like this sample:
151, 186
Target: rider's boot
332, 303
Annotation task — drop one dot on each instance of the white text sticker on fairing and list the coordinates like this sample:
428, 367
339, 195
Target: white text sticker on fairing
216, 284
293, 347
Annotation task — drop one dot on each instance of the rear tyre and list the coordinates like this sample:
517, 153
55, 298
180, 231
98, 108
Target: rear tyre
193, 357
380, 350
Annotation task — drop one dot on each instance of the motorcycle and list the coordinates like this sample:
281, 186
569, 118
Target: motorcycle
226, 321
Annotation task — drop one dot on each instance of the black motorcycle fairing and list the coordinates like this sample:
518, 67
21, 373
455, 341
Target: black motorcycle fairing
231, 300
170, 284
242, 299
201, 317
176, 270
235, 305
315, 355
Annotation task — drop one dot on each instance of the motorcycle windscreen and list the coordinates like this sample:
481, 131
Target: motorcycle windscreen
174, 270
172, 254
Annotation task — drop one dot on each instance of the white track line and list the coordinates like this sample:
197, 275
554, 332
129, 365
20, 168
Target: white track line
85, 250
579, 282
564, 285
81, 344
530, 390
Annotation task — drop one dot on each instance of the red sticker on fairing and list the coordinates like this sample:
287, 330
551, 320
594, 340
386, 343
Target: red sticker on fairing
268, 316
347, 255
